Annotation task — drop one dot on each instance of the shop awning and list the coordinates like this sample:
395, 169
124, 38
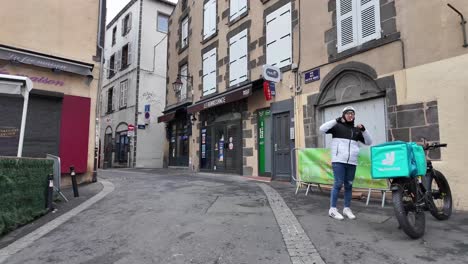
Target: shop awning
45, 61
167, 117
170, 111
223, 98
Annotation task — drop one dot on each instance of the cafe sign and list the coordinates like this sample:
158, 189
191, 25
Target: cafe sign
9, 132
271, 73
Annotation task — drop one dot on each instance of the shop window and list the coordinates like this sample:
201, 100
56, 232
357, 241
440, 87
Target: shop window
163, 23
114, 33
126, 24
237, 8
238, 58
209, 19
209, 72
279, 37
184, 34
358, 21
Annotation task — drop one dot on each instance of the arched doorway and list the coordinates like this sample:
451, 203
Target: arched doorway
108, 148
122, 145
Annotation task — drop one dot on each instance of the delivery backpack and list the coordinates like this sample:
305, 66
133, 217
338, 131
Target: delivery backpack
397, 159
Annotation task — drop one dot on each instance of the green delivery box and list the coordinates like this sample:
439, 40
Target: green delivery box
391, 160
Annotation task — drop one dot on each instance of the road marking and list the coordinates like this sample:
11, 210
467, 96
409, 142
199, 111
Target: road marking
300, 248
27, 240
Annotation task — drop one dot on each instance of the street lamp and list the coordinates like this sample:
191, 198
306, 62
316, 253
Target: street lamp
177, 85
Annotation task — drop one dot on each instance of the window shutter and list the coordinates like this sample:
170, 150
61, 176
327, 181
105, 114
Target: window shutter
122, 32
279, 41
368, 20
119, 61
206, 20
209, 18
184, 73
129, 57
242, 6
233, 10
242, 62
113, 99
104, 103
129, 22
184, 40
213, 16
107, 67
233, 60
209, 72
346, 22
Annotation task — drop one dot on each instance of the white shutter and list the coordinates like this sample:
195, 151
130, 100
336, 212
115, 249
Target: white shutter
209, 72
119, 60
238, 58
113, 98
368, 20
209, 18
122, 32
233, 10
242, 6
279, 40
346, 22
129, 22
129, 57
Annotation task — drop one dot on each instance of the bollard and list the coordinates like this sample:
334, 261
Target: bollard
50, 192
73, 178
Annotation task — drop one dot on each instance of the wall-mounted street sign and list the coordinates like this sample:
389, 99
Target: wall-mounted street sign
271, 73
312, 75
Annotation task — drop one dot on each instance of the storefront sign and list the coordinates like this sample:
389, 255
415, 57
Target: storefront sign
141, 126
9, 132
312, 76
30, 58
36, 79
273, 89
271, 73
228, 97
266, 90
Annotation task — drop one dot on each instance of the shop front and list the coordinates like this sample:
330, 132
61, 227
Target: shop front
221, 144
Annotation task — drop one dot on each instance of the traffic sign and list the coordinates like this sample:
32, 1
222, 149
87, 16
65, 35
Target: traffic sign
131, 127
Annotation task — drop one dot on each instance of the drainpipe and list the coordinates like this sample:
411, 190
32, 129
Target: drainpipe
98, 97
462, 23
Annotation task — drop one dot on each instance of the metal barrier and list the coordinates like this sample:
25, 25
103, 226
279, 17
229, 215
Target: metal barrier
57, 175
299, 182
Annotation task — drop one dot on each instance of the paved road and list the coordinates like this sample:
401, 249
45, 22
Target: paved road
152, 218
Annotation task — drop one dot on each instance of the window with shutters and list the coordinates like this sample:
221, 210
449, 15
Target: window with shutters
126, 24
123, 94
237, 8
209, 19
279, 37
238, 58
358, 21
111, 71
126, 56
184, 33
110, 100
209, 72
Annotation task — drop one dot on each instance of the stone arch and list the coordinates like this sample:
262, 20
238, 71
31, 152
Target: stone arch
122, 126
349, 82
108, 130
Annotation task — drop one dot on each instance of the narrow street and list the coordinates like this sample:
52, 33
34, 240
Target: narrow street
163, 216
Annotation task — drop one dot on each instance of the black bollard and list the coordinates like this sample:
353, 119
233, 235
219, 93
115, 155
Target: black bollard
74, 184
50, 192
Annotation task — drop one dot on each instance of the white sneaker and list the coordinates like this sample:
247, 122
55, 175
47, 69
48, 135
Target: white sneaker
348, 213
333, 213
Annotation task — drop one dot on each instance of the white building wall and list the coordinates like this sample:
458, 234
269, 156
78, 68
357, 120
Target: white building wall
152, 89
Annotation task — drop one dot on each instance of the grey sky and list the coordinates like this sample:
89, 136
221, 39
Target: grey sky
114, 7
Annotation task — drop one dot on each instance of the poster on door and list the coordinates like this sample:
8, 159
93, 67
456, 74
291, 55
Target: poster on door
221, 149
203, 145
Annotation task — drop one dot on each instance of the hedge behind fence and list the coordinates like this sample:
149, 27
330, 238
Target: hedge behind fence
23, 189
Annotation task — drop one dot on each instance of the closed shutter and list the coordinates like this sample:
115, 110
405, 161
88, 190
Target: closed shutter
238, 58
184, 74
114, 98
346, 22
184, 40
279, 37
368, 20
129, 57
237, 8
209, 72
119, 61
104, 103
129, 26
209, 19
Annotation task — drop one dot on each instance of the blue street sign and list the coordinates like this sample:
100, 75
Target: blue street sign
147, 108
272, 89
312, 76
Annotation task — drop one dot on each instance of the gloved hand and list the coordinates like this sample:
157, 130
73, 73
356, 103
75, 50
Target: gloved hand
361, 127
339, 120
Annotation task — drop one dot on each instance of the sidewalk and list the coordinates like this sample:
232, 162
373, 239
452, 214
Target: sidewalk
86, 191
374, 236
